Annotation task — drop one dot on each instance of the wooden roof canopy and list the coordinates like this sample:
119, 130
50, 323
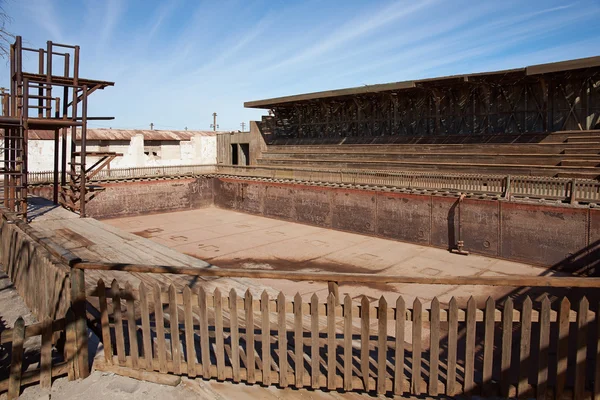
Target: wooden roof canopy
540, 69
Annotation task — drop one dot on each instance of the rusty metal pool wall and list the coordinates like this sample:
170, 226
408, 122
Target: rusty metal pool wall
563, 236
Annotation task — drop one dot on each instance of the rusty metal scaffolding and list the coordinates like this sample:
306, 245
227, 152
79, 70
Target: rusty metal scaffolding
32, 103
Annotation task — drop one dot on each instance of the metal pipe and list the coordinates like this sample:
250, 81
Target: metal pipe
49, 77
24, 132
56, 155
66, 89
82, 152
40, 95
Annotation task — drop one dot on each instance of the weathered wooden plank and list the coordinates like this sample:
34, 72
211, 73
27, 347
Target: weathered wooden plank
525, 347
562, 350
106, 341
118, 318
266, 338
71, 338
298, 341
400, 317
470, 347
507, 332
174, 328
159, 321
189, 332
542, 378
382, 346
204, 338
219, 339
78, 305
580, 361
417, 322
46, 355
250, 343
488, 345
434, 347
364, 341
331, 341
347, 343
16, 361
452, 347
282, 341
132, 327
315, 357
146, 333
235, 335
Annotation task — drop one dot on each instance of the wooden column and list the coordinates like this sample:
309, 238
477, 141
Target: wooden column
78, 306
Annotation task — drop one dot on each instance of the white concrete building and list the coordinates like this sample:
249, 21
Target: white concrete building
140, 148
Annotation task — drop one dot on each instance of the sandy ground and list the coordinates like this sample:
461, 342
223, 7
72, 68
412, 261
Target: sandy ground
103, 386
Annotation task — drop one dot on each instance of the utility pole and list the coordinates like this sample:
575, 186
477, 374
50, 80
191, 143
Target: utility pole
243, 124
151, 126
214, 124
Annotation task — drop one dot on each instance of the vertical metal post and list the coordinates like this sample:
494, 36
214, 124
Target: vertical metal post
40, 88
5, 111
63, 146
76, 67
56, 155
24, 133
82, 151
49, 79
66, 89
63, 164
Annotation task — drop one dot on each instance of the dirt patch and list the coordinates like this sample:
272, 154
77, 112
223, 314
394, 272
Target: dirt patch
304, 266
148, 233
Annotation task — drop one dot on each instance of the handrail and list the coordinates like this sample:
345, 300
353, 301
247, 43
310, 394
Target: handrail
215, 272
506, 186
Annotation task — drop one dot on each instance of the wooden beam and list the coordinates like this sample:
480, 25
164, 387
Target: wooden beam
213, 271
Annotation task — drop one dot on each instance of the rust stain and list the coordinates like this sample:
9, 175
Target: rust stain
75, 237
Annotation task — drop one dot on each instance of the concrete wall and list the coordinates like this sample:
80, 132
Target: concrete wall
565, 237
224, 144
199, 150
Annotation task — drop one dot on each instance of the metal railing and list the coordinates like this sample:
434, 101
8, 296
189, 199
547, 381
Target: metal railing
562, 189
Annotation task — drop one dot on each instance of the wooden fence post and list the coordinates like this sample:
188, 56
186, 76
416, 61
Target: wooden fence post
16, 362
334, 288
78, 305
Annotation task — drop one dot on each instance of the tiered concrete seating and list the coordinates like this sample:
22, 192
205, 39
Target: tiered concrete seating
564, 154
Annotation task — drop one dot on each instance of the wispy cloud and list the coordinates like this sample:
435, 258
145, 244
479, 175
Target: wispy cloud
356, 28
177, 61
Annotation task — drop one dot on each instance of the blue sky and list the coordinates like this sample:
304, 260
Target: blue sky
175, 62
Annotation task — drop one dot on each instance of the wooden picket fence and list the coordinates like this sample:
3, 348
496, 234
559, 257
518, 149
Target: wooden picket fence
513, 348
35, 356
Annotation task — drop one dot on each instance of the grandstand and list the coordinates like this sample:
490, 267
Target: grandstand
541, 120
